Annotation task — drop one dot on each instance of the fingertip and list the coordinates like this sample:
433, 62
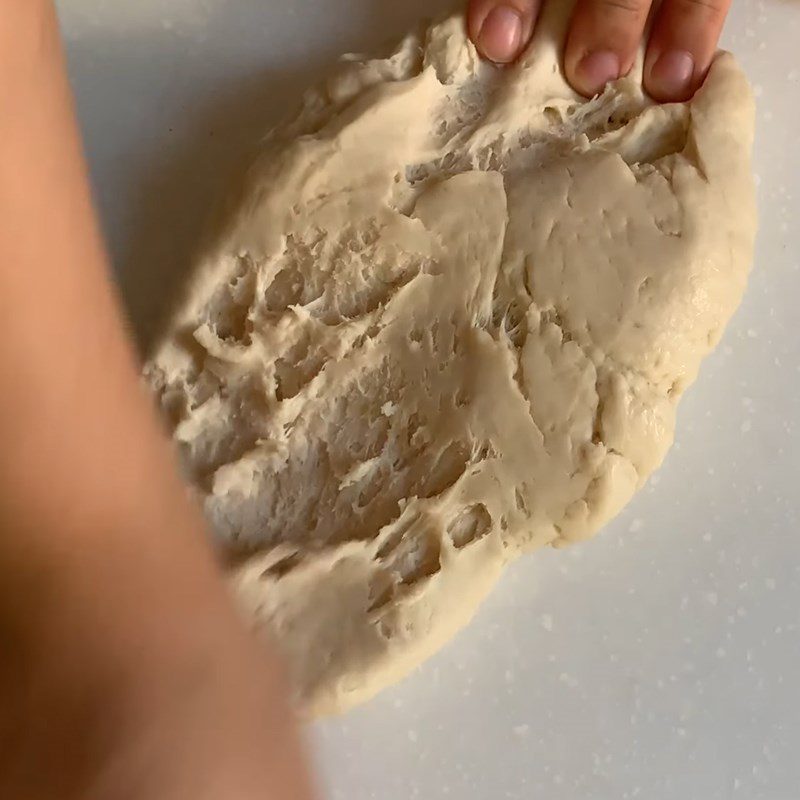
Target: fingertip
603, 40
682, 46
590, 73
500, 36
502, 29
670, 76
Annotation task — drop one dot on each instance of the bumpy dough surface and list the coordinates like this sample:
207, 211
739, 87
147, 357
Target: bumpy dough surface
449, 324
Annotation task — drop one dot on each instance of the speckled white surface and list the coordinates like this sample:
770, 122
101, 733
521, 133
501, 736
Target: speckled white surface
658, 661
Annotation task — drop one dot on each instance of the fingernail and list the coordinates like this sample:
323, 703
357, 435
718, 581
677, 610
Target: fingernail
671, 76
500, 38
595, 70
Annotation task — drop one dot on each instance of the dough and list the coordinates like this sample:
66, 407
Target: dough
448, 324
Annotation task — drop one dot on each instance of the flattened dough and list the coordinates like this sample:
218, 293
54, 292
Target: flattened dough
449, 324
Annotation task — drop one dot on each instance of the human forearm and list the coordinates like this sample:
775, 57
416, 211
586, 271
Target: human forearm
86, 482
70, 410
124, 671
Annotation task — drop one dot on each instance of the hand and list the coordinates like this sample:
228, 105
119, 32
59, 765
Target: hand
604, 37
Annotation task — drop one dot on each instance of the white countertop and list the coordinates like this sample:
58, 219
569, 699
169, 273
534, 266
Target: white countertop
659, 660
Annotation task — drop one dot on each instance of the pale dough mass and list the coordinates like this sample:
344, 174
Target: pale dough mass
449, 324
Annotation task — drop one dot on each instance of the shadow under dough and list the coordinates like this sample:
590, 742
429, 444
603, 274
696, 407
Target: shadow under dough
186, 181
185, 187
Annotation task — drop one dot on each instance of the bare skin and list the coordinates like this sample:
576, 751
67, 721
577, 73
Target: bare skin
604, 38
124, 671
